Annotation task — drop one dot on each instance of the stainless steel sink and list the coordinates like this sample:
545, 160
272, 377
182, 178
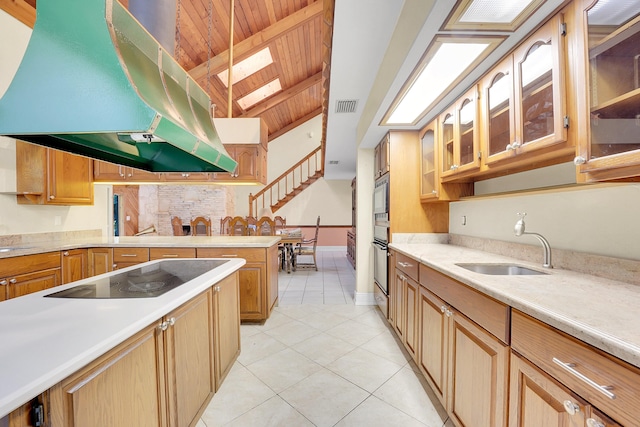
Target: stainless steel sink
500, 269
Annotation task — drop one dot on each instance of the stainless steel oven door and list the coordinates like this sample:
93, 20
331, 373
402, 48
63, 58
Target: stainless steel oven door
381, 265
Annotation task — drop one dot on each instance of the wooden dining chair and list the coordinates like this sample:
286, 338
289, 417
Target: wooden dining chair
225, 225
252, 225
307, 248
200, 226
281, 223
176, 224
265, 227
238, 226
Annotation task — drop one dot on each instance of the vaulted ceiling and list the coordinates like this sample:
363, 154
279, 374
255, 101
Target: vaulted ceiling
296, 32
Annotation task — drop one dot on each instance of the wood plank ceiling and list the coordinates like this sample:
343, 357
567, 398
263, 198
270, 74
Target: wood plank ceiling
297, 32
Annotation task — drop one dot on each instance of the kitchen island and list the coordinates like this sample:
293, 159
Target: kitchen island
45, 340
258, 278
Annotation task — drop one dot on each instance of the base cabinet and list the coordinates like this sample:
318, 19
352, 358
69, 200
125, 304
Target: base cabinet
165, 375
29, 273
100, 260
258, 278
74, 265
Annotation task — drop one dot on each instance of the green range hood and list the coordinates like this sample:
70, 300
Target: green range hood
94, 82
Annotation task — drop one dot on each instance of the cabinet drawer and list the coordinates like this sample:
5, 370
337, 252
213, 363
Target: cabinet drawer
408, 265
547, 348
485, 311
250, 254
167, 253
130, 255
29, 263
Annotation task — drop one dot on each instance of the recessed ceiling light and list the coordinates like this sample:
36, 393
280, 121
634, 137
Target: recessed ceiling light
490, 15
246, 67
260, 94
446, 62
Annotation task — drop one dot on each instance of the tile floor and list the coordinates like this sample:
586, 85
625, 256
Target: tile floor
320, 360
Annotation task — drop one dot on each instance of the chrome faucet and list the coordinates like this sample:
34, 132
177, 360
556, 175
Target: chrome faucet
519, 230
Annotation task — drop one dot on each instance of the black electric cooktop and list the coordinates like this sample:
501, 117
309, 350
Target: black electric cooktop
144, 282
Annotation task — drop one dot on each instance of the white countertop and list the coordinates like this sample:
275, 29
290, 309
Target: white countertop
144, 241
601, 312
44, 340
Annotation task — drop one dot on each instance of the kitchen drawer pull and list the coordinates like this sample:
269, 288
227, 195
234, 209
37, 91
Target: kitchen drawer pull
569, 367
12, 281
170, 256
229, 256
405, 264
129, 255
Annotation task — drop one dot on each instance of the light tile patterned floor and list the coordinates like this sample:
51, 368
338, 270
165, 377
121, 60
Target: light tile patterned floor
320, 360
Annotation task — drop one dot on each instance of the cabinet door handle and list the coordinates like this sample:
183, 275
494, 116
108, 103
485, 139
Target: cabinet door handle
570, 368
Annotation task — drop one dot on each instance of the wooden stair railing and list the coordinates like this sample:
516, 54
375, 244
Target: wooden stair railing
284, 188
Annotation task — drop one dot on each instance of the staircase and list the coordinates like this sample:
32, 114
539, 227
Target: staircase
288, 185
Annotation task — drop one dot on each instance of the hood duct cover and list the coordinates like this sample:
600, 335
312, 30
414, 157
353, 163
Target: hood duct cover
94, 82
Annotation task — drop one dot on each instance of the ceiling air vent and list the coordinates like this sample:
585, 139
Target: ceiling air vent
346, 105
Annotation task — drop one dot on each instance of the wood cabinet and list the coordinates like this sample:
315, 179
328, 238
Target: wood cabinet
226, 333
163, 376
351, 248
186, 176
258, 278
100, 260
74, 265
432, 189
381, 158
46, 176
29, 273
168, 253
609, 91
604, 382
460, 136
126, 257
405, 301
406, 211
524, 108
110, 172
252, 164
466, 366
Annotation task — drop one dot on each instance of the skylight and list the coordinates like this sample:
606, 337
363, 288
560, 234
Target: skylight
260, 94
247, 67
488, 15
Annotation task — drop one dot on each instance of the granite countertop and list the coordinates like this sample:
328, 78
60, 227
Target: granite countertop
44, 340
141, 241
601, 312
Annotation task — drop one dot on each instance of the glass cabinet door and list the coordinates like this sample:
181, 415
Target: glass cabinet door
428, 164
612, 42
540, 89
460, 139
499, 131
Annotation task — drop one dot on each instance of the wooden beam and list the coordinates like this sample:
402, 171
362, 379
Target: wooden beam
21, 10
295, 124
283, 96
258, 40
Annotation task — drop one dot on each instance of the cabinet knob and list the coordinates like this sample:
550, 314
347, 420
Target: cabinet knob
216, 288
163, 326
51, 197
516, 144
594, 423
443, 309
65, 253
171, 321
3, 282
572, 408
12, 281
579, 160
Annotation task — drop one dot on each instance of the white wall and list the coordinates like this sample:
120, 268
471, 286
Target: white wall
329, 199
601, 219
19, 219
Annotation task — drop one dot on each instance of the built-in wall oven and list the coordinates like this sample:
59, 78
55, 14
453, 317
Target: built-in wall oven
381, 233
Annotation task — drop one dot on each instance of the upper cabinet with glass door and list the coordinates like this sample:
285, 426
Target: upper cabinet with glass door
460, 137
610, 139
524, 103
